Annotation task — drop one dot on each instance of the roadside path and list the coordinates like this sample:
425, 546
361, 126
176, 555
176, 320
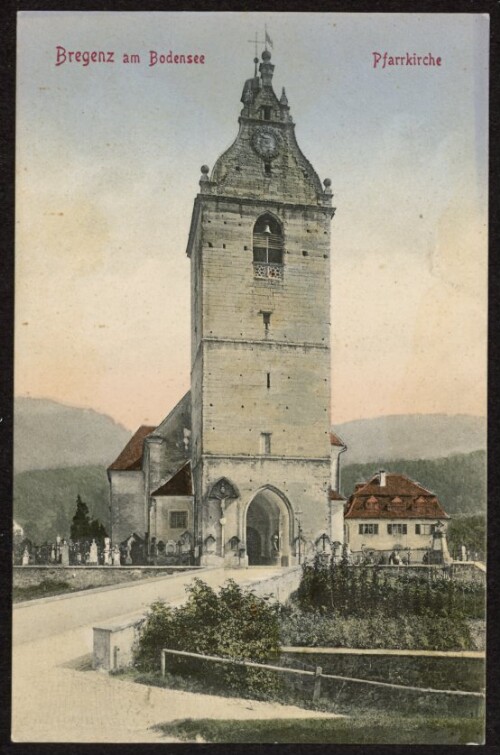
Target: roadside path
57, 698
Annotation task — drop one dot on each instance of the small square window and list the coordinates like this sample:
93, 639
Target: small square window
397, 529
178, 520
265, 443
370, 528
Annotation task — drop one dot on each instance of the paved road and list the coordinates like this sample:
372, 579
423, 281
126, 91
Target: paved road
58, 698
49, 616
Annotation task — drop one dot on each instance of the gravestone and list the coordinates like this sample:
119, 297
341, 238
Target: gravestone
93, 557
107, 551
64, 553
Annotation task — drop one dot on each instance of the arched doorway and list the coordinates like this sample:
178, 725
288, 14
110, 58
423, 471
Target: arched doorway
268, 529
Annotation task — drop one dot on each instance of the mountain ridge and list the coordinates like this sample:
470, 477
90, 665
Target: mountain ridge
411, 436
52, 435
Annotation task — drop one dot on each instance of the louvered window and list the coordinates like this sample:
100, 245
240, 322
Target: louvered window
268, 248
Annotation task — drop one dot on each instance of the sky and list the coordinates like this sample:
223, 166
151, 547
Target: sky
108, 164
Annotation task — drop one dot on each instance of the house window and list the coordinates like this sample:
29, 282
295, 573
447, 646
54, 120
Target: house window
265, 443
268, 248
266, 113
268, 381
424, 529
178, 520
267, 169
397, 529
368, 529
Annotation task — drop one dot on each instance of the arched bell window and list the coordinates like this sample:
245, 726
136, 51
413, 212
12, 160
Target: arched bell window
268, 248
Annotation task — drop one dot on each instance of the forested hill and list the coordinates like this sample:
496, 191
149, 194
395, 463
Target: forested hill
459, 481
45, 499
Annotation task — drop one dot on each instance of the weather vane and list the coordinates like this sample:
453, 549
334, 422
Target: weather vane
266, 41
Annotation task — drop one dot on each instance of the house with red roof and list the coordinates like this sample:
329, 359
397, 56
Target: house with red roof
392, 514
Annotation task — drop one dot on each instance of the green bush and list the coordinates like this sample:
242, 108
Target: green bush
229, 624
374, 630
346, 590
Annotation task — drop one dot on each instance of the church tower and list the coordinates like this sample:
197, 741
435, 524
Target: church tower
259, 245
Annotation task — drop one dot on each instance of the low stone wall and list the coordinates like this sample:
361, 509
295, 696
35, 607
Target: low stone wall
114, 644
280, 586
84, 577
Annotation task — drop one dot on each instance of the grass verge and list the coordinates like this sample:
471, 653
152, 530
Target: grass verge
339, 697
358, 729
43, 589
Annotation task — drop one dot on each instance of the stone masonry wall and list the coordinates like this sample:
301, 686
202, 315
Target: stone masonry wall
127, 505
294, 409
303, 483
233, 298
83, 577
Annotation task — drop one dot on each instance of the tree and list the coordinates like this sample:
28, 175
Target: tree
80, 524
97, 530
469, 531
83, 527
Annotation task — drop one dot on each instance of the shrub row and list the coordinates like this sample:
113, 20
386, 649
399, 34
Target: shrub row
346, 590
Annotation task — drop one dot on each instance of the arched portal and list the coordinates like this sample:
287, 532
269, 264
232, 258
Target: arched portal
268, 528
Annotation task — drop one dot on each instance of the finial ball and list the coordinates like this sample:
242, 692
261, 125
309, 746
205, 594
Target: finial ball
327, 182
205, 169
266, 55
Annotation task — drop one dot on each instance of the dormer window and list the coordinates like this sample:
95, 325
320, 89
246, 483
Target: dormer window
268, 248
372, 504
396, 504
266, 112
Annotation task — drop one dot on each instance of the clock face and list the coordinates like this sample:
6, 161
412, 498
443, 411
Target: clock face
266, 142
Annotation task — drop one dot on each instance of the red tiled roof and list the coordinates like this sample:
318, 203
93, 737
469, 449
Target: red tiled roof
336, 441
130, 458
395, 484
334, 495
181, 483
399, 498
